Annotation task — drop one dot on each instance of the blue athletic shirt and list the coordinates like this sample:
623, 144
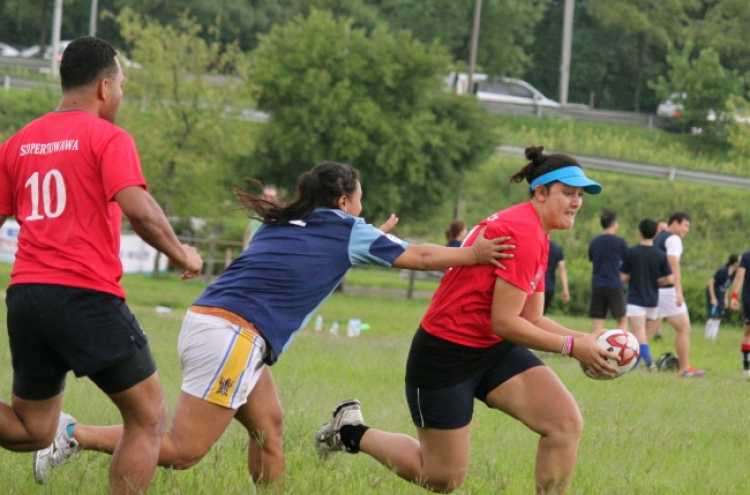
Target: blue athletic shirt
606, 252
290, 269
722, 281
645, 265
745, 263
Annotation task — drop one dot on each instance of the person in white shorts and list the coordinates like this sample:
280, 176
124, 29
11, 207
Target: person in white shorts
672, 304
644, 268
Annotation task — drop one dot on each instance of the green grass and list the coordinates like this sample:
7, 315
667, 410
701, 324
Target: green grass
644, 434
630, 143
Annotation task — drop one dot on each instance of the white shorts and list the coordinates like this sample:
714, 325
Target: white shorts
221, 362
649, 313
668, 303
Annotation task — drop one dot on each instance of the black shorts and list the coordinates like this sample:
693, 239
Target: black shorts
53, 329
714, 312
746, 313
452, 407
607, 298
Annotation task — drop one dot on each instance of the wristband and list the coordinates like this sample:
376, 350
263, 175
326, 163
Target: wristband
567, 347
735, 295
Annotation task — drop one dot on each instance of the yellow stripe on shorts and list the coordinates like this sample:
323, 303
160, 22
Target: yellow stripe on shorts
236, 359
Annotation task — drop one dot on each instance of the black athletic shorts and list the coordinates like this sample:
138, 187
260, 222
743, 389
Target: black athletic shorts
451, 406
746, 313
53, 329
607, 298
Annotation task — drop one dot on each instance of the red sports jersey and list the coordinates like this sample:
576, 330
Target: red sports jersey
461, 309
58, 177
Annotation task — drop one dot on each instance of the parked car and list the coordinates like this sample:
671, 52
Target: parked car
672, 108
29, 52
509, 90
502, 90
8, 51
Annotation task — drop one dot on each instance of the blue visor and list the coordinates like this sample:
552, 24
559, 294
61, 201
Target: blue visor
570, 176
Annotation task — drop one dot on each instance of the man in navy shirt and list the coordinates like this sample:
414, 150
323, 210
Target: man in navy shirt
556, 261
740, 280
605, 253
716, 293
645, 268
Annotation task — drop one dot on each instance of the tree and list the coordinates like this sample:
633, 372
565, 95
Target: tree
507, 28
189, 92
368, 98
724, 28
652, 22
701, 84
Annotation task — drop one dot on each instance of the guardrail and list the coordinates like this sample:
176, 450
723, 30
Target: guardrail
588, 114
645, 169
9, 82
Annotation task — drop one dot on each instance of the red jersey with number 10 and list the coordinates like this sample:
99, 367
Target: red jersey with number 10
58, 177
461, 308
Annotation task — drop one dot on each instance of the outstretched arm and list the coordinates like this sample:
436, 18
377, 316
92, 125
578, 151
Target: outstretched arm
433, 257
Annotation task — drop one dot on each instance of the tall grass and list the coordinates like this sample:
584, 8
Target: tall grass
635, 144
645, 434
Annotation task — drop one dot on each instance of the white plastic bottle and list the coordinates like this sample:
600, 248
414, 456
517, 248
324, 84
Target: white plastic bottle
335, 328
319, 323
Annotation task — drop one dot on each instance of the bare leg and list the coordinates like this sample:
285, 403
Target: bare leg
29, 425
597, 324
262, 416
539, 400
652, 326
196, 426
144, 415
638, 328
438, 461
681, 324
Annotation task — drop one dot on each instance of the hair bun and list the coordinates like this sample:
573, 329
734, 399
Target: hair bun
535, 154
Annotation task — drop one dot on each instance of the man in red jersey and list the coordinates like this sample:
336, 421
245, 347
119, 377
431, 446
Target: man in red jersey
67, 178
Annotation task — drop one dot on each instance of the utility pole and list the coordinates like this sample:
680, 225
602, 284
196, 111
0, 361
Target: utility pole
567, 41
474, 42
92, 19
56, 23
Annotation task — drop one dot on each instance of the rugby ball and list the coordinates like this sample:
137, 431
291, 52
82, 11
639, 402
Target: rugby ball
622, 343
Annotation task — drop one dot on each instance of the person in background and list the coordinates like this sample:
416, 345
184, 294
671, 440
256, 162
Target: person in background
456, 233
742, 281
68, 177
556, 262
607, 292
716, 295
645, 269
270, 194
672, 304
661, 226
474, 343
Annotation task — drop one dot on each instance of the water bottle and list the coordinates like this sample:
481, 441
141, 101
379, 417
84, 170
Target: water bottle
357, 327
319, 323
351, 328
335, 328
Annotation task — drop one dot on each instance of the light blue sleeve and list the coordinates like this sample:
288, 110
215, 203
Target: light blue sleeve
368, 245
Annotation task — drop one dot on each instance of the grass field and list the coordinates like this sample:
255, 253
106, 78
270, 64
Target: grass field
644, 434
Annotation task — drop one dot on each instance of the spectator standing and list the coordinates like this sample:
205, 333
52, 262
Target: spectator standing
605, 253
456, 233
270, 194
672, 304
67, 178
644, 269
716, 295
742, 281
556, 262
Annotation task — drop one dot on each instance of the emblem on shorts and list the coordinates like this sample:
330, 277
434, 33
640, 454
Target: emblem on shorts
224, 385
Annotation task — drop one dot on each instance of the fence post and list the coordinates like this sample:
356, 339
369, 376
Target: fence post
6, 82
211, 261
410, 289
650, 123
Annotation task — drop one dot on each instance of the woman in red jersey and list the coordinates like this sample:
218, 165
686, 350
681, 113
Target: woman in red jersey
474, 342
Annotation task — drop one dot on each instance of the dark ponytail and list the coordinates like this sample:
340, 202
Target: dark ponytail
320, 187
540, 164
